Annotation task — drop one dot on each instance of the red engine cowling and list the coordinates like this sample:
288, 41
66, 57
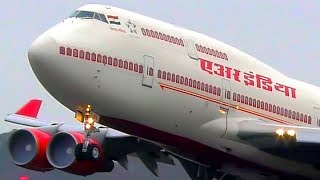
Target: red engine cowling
61, 154
27, 148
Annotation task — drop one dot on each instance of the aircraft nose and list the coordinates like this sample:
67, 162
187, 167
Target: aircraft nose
41, 55
40, 50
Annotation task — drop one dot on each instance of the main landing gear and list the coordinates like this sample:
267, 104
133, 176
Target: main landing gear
85, 150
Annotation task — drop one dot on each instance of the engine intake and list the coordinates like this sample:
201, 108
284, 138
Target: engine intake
27, 148
61, 154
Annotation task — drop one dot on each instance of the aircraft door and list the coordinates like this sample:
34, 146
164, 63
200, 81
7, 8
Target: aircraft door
148, 71
316, 116
226, 91
192, 53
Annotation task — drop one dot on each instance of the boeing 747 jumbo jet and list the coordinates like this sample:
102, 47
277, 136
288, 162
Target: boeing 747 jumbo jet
157, 91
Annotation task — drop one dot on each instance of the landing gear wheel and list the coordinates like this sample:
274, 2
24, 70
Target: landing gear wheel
78, 152
93, 152
109, 166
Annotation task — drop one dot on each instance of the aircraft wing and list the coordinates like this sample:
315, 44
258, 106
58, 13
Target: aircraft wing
116, 145
292, 142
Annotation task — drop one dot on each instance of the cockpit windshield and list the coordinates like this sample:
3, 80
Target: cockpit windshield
89, 15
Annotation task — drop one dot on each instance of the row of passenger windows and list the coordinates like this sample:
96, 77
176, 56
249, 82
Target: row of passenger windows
103, 59
189, 82
89, 15
270, 107
236, 97
162, 36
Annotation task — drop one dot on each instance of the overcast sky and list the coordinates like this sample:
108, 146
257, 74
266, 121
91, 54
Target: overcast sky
283, 34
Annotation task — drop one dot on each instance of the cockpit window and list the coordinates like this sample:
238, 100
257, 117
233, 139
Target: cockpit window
96, 16
89, 15
103, 18
85, 15
74, 14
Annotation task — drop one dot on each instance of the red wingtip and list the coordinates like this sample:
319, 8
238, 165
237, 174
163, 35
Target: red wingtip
30, 109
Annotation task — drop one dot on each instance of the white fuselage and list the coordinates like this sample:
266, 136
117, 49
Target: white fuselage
129, 71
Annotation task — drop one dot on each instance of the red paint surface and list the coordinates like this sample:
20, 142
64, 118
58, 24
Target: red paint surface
86, 167
30, 109
40, 160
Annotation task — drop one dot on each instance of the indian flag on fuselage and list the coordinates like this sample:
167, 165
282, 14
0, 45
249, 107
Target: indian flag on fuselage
114, 20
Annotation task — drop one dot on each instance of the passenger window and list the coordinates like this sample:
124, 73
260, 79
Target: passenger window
286, 113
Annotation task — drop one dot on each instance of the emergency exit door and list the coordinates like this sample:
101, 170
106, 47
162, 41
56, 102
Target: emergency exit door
316, 116
148, 71
226, 91
192, 53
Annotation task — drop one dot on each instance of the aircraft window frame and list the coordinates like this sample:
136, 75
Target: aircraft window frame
125, 64
293, 116
285, 112
181, 80
270, 107
297, 116
164, 75
93, 56
289, 113
110, 61
99, 58
168, 76
74, 14
218, 91
135, 68
115, 62
228, 94
75, 53
177, 79
254, 103
103, 18
194, 83
96, 15
309, 119
87, 15
173, 78
81, 54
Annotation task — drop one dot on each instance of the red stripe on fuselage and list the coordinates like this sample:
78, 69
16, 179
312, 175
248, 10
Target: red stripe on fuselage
163, 86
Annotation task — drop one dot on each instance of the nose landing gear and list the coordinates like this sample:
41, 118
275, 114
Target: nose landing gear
85, 150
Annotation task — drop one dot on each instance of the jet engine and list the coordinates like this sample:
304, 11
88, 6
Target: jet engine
64, 153
27, 148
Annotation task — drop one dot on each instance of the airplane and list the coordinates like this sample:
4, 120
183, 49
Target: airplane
139, 85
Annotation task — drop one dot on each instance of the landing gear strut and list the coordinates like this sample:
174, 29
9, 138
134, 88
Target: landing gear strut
85, 150
88, 128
